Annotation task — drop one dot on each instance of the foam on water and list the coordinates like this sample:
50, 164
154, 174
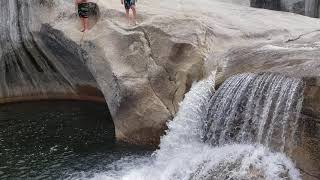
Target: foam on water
184, 155
199, 161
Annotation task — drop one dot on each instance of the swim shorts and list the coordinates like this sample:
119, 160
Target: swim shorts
83, 10
129, 3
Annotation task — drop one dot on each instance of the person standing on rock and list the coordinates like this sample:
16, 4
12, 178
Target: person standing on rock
130, 4
83, 11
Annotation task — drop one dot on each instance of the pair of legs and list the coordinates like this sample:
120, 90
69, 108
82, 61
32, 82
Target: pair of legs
83, 11
84, 23
134, 12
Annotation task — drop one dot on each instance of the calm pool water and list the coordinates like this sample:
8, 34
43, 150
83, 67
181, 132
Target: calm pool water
58, 140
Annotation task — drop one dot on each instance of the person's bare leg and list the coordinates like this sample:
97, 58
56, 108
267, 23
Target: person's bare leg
128, 15
86, 28
134, 14
82, 24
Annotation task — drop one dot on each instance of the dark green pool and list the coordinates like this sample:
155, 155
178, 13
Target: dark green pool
57, 139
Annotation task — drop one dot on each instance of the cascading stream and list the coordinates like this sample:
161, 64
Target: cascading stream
240, 132
261, 108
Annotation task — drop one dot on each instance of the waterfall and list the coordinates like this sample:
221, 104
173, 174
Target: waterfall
241, 131
251, 108
312, 8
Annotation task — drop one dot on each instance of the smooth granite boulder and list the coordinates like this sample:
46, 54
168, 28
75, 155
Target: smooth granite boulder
38, 62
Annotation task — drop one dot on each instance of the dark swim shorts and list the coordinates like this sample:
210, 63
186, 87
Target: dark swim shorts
129, 3
83, 10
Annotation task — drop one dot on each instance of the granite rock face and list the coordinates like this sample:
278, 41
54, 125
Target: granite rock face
38, 62
145, 77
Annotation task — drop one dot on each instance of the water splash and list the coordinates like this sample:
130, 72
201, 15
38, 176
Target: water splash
187, 151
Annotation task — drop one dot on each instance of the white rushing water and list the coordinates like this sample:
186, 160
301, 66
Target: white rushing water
183, 154
255, 108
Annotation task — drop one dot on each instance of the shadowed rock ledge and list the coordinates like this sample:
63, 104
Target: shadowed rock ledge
38, 62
